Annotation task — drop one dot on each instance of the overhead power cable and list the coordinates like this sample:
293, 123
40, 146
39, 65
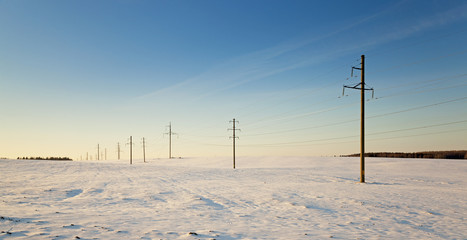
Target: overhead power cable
419, 107
424, 81
356, 119
417, 135
301, 83
353, 136
369, 140
411, 92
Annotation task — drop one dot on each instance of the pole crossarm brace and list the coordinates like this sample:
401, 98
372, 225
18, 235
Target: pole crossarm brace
358, 87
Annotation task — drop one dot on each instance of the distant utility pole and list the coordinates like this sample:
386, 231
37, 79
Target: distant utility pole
144, 150
97, 151
233, 137
131, 150
118, 150
105, 156
87, 156
170, 133
361, 87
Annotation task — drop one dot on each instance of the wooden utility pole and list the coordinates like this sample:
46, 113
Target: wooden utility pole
170, 133
233, 137
118, 150
361, 87
131, 150
144, 151
97, 151
362, 122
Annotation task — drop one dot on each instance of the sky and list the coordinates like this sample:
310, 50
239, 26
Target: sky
78, 74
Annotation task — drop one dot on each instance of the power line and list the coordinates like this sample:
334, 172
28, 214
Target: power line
369, 140
424, 81
411, 92
353, 120
419, 107
422, 127
301, 129
354, 136
308, 114
207, 144
418, 135
348, 105
250, 105
271, 117
297, 85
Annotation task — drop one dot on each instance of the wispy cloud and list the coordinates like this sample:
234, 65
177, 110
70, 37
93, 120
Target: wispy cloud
302, 52
405, 29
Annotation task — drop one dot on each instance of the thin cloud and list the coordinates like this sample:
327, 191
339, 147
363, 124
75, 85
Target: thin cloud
299, 53
254, 66
405, 30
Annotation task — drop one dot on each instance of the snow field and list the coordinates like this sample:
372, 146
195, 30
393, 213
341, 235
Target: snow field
203, 198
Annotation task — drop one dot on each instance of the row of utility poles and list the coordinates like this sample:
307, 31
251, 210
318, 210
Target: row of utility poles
169, 133
119, 151
360, 86
99, 156
131, 144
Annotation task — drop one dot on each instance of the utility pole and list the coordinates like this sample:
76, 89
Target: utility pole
87, 156
118, 150
361, 87
233, 137
105, 156
144, 150
131, 150
170, 133
97, 151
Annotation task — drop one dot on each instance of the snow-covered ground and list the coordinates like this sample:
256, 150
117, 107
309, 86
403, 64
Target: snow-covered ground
264, 198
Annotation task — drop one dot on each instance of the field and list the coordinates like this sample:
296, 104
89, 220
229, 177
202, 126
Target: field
264, 198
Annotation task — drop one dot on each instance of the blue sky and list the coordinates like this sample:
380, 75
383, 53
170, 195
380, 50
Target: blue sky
75, 74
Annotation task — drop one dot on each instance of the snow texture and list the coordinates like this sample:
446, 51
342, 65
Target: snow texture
264, 198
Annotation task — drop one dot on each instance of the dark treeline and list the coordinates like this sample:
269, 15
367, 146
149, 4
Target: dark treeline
431, 154
47, 158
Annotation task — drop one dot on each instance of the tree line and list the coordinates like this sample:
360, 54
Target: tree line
428, 154
46, 158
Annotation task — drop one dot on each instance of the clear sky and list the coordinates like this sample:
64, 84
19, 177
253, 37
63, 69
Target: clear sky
74, 74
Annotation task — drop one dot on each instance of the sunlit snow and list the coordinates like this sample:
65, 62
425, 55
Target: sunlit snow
264, 198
